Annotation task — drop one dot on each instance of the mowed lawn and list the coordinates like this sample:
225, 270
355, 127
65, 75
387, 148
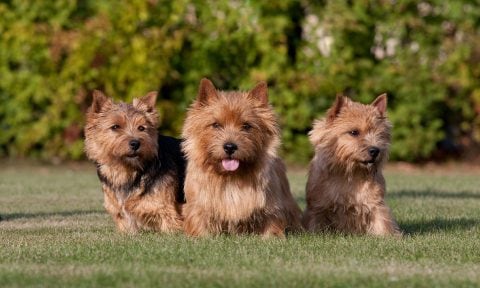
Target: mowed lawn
54, 232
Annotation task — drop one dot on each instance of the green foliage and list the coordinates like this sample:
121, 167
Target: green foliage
424, 54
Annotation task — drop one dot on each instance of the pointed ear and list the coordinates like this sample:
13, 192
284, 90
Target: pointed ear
260, 92
99, 100
147, 102
333, 112
206, 91
381, 103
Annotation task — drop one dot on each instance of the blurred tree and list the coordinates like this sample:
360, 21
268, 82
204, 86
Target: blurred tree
423, 53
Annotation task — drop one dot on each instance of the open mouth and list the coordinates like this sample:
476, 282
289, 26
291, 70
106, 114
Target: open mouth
230, 164
132, 156
368, 162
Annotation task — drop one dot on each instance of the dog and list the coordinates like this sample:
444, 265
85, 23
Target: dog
345, 188
235, 183
141, 172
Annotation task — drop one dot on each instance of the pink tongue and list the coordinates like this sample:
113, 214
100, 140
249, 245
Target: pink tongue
230, 164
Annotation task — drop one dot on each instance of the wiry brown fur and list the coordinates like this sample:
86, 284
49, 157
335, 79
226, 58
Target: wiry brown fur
140, 187
255, 198
345, 187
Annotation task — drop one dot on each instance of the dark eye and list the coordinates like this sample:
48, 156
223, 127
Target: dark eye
141, 128
115, 127
354, 133
246, 126
216, 125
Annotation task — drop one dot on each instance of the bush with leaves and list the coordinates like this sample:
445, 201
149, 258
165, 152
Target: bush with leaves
423, 54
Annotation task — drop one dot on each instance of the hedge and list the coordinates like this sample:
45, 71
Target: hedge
424, 54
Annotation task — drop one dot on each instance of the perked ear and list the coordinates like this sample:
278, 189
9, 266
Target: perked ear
333, 112
147, 102
206, 91
381, 103
99, 100
260, 92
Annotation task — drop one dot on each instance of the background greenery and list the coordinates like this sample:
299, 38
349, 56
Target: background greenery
425, 54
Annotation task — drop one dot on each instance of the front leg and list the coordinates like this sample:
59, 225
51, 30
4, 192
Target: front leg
316, 220
155, 212
123, 222
383, 224
273, 228
196, 223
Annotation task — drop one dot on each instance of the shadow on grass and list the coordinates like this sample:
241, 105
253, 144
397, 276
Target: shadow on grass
20, 215
437, 225
436, 194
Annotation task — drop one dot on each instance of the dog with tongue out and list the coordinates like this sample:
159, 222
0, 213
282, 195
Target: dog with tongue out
234, 182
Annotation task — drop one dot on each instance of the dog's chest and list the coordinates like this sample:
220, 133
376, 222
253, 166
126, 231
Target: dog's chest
238, 202
348, 193
353, 206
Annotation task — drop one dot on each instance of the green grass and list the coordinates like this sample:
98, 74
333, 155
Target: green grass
55, 233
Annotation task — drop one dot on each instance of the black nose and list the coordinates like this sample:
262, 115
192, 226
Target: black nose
134, 144
230, 148
373, 151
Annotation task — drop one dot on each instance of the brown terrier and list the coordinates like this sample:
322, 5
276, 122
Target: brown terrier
235, 183
345, 187
141, 172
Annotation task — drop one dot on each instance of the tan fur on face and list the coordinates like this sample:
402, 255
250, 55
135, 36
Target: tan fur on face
134, 194
107, 145
345, 187
256, 197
